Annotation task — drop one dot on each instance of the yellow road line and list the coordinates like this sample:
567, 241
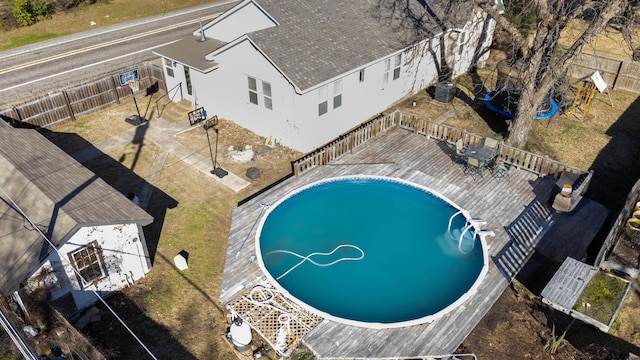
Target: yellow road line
101, 45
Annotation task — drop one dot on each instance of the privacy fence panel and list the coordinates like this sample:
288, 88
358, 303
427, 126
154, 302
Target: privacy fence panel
619, 74
67, 104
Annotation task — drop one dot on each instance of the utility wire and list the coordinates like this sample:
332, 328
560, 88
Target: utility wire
78, 274
20, 343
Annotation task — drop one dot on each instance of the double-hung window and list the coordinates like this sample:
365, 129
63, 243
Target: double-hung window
392, 67
323, 104
337, 94
254, 92
169, 66
266, 94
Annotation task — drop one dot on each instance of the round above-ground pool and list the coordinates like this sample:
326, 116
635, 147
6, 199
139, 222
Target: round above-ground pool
370, 251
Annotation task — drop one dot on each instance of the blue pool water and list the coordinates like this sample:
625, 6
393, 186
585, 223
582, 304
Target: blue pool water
368, 251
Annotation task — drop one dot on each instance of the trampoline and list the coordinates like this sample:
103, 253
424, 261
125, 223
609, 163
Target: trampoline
505, 103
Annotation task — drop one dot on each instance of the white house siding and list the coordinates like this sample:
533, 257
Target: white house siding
294, 120
237, 22
173, 81
473, 33
125, 261
227, 93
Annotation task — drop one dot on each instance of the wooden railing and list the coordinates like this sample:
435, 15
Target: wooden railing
344, 143
538, 164
168, 98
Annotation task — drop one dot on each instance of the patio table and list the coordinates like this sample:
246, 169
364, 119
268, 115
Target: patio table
484, 154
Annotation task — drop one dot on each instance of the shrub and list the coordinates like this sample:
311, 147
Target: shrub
23, 12
40, 10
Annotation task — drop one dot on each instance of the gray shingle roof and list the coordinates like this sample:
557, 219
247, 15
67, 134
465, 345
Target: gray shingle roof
55, 192
321, 39
191, 52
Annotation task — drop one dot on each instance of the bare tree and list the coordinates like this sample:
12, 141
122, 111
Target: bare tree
536, 53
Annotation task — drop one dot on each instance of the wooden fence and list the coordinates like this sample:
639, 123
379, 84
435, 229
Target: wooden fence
68, 104
620, 224
618, 74
538, 164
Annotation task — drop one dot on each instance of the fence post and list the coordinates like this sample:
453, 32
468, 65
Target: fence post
615, 79
115, 89
68, 105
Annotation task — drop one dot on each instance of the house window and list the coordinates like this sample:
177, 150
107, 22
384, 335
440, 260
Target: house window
88, 261
397, 60
361, 78
253, 90
323, 105
266, 93
337, 94
395, 69
187, 78
170, 72
461, 43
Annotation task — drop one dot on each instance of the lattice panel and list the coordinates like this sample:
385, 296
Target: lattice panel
267, 311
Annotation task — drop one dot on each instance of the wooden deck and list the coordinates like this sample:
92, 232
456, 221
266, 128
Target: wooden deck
517, 210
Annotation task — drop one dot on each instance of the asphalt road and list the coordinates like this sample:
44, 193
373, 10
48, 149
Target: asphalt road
47, 66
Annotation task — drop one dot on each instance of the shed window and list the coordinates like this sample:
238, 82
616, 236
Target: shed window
88, 261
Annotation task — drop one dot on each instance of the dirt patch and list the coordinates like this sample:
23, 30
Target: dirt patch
518, 326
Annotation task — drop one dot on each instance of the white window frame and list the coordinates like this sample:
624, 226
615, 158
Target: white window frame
266, 95
252, 85
337, 94
397, 66
323, 104
461, 38
260, 89
88, 257
392, 72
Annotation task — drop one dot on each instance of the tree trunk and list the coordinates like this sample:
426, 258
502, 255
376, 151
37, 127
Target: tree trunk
522, 122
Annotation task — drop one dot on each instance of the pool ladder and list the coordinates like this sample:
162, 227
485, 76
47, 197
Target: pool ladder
474, 223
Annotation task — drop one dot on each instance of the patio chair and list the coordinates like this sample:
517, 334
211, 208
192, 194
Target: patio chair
502, 170
491, 143
459, 155
473, 168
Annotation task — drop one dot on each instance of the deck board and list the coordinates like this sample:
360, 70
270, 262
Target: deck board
517, 210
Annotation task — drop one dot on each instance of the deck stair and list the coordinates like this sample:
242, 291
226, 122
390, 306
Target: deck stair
525, 233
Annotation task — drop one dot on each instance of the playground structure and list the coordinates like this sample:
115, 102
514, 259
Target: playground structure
586, 89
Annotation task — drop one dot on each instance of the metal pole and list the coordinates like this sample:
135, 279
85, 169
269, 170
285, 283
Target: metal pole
218, 171
215, 161
206, 129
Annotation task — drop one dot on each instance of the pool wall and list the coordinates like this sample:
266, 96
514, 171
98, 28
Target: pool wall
373, 325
